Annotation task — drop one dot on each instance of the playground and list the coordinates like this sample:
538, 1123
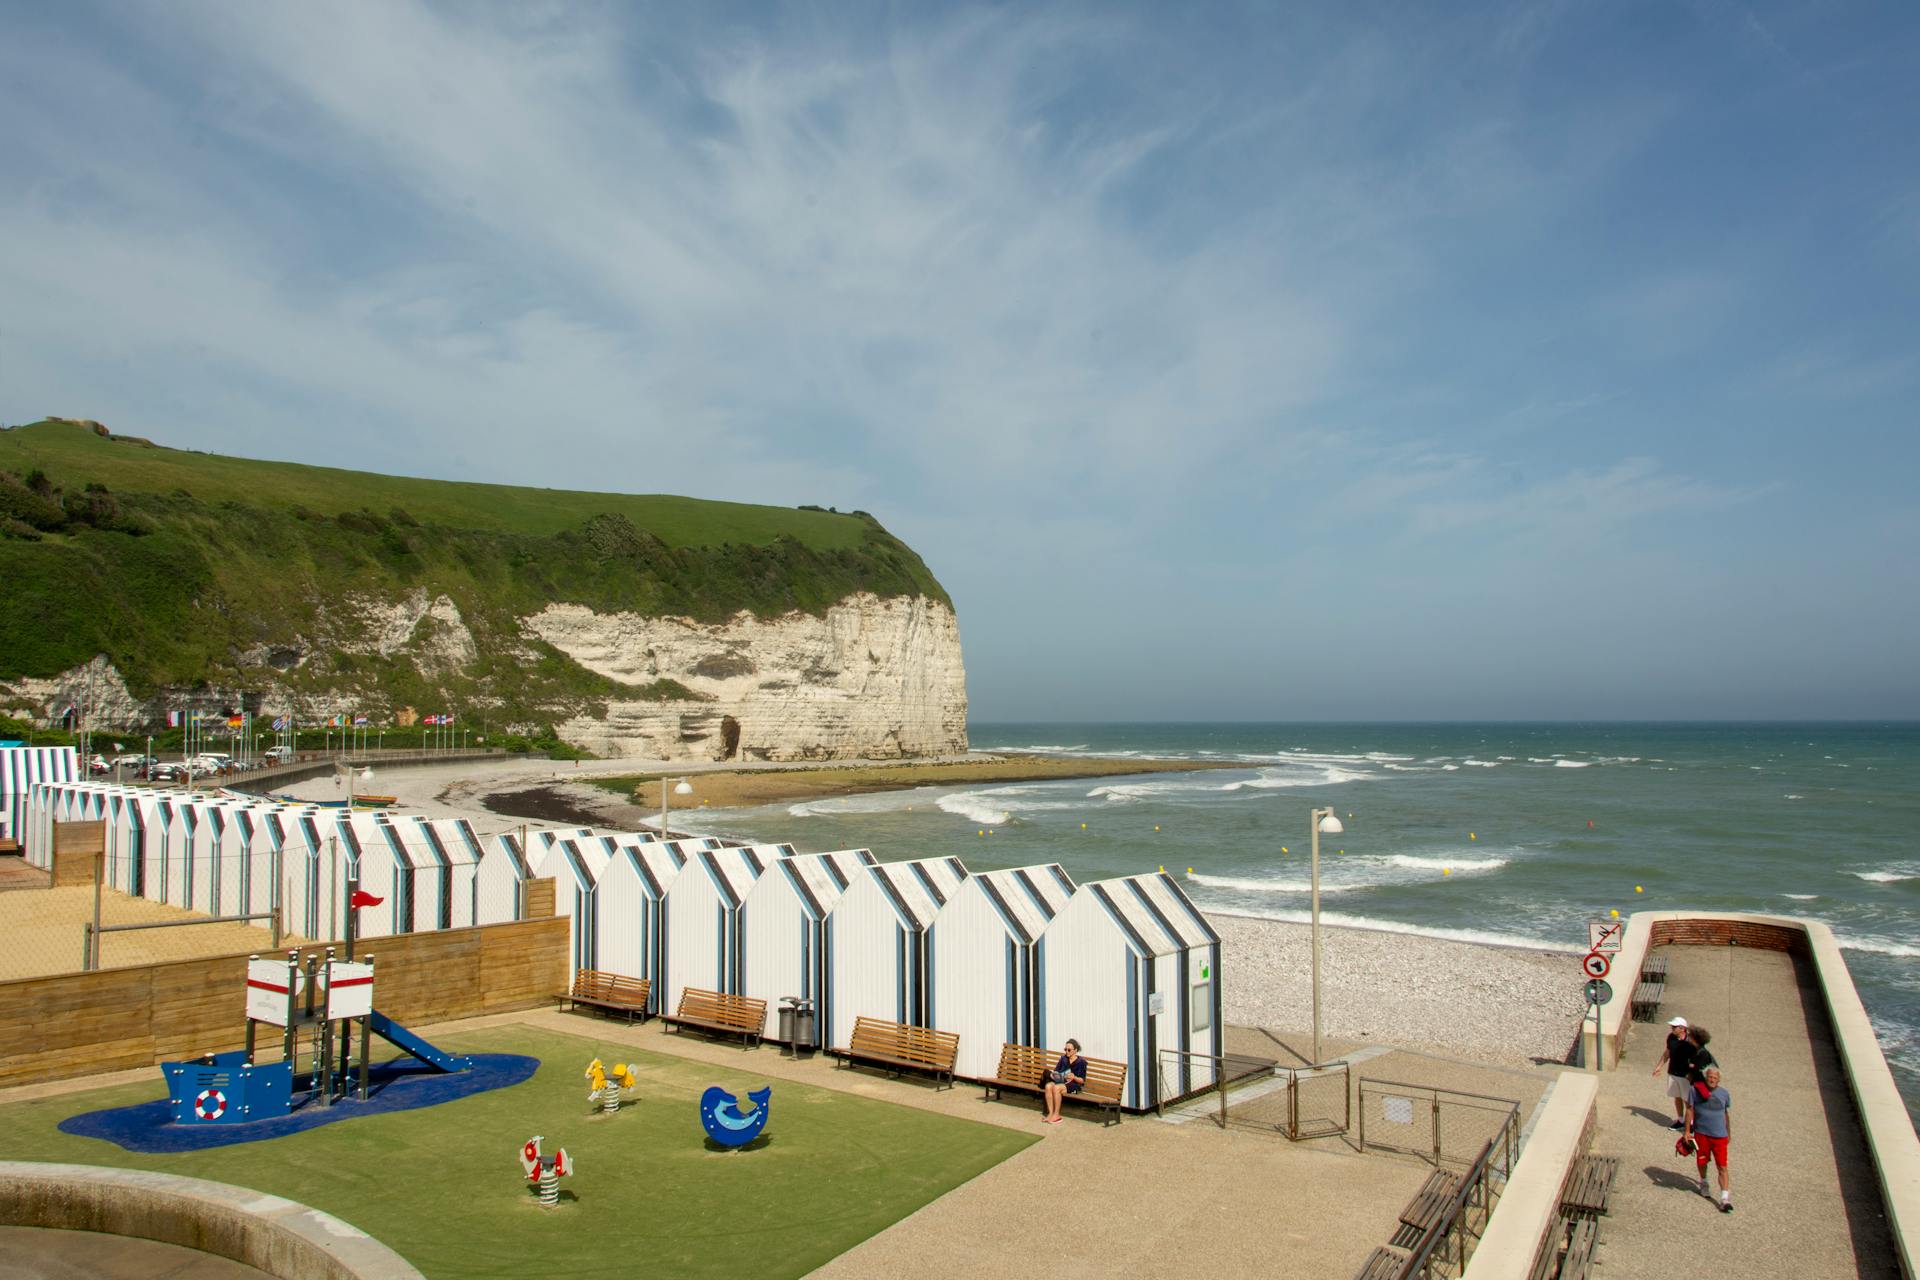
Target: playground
443, 1184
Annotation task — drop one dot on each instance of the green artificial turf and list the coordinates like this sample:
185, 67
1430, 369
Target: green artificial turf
443, 1185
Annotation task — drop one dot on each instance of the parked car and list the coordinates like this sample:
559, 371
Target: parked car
277, 755
98, 765
170, 771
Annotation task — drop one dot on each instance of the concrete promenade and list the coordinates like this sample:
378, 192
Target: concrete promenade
1807, 1203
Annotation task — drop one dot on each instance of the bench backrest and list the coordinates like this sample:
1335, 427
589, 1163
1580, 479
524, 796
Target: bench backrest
594, 984
1106, 1079
906, 1042
743, 1012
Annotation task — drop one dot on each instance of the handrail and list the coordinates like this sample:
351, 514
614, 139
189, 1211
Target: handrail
1475, 1179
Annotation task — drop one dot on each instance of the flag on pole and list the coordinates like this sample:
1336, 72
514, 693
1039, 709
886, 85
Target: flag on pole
358, 721
173, 720
280, 724
236, 722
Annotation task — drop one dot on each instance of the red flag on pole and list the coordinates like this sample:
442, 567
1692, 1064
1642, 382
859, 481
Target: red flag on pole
361, 898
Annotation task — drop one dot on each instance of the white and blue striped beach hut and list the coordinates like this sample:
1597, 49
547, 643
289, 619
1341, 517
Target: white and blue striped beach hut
20, 768
704, 942
985, 947
1129, 968
631, 898
877, 958
501, 879
785, 929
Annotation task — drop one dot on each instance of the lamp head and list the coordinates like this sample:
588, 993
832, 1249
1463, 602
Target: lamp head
366, 774
683, 788
1330, 826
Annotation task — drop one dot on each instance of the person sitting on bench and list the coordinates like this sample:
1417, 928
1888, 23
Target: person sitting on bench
1069, 1075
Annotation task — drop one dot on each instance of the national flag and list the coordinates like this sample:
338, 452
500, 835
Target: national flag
173, 719
361, 898
333, 722
280, 724
236, 722
359, 720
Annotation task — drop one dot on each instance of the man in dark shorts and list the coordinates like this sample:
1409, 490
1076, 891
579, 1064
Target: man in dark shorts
1707, 1124
1678, 1060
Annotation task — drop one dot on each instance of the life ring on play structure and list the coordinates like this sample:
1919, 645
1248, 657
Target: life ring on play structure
210, 1105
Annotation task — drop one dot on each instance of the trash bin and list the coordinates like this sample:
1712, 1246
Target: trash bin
796, 1023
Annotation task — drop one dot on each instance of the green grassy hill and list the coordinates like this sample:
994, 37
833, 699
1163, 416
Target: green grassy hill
188, 568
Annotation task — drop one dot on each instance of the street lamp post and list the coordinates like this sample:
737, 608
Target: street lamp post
680, 788
366, 775
1320, 820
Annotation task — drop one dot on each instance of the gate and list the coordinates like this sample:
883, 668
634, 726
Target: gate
1261, 1095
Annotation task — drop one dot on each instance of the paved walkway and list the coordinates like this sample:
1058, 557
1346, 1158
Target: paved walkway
1807, 1204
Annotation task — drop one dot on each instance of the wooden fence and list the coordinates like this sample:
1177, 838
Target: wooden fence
84, 1023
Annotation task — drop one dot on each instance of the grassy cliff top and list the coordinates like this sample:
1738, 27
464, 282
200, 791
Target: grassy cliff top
72, 456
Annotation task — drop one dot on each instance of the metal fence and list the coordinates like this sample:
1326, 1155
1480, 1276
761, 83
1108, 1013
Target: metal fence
1245, 1092
1442, 1249
1445, 1126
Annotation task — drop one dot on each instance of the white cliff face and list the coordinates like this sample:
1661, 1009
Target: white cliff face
874, 678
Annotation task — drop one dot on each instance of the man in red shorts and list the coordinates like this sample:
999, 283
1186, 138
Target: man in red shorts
1707, 1125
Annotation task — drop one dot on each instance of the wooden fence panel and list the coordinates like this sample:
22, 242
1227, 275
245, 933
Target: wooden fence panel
84, 1023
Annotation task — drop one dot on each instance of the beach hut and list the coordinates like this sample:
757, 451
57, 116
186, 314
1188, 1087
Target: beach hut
985, 948
877, 960
500, 889
703, 939
571, 865
124, 840
182, 815
384, 867
783, 925
220, 855
20, 768
456, 846
313, 872
631, 900
1130, 969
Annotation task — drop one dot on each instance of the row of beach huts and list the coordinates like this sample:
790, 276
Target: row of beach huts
1127, 966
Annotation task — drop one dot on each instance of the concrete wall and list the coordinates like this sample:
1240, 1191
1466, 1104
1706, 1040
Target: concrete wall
273, 1235
110, 1019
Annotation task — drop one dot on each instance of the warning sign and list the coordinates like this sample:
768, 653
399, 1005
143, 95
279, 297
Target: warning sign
1596, 965
1605, 935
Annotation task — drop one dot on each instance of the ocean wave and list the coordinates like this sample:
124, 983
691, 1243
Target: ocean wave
873, 802
1572, 764
1482, 764
1888, 876
1243, 884
1342, 920
1416, 862
1801, 897
1793, 797
975, 807
1851, 942
1272, 779
1539, 759
1450, 768
1047, 747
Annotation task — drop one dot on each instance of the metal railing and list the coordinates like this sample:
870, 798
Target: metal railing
1259, 1093
1437, 1124
1475, 1192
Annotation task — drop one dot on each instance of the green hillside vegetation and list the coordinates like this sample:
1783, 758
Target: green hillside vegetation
174, 563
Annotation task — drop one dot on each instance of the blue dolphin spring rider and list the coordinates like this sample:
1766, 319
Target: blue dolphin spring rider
720, 1115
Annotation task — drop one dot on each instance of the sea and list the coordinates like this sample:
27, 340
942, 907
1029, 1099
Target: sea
1505, 834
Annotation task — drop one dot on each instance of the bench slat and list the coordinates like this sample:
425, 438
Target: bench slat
901, 1045
719, 1012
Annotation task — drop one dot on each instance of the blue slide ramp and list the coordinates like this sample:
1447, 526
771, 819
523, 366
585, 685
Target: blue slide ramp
401, 1038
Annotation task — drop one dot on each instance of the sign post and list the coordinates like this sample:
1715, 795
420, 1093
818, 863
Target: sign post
1598, 992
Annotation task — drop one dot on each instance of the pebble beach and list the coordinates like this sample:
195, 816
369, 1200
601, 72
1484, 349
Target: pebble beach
1514, 1006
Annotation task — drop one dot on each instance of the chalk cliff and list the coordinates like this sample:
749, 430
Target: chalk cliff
873, 678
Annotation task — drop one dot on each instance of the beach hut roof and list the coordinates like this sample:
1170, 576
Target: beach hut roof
1026, 898
818, 879
733, 871
1136, 915
918, 889
656, 863
1176, 909
454, 839
509, 848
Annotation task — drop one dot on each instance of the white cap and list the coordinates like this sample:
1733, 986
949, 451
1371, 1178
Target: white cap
1677, 1022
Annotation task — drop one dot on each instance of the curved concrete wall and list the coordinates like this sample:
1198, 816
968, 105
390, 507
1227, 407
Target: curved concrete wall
266, 1232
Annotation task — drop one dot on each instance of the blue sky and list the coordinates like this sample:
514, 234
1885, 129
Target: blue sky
1353, 361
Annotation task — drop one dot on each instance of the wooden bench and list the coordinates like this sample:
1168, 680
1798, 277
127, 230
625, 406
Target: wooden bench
1427, 1209
1581, 1242
719, 1014
898, 1046
1646, 998
1026, 1067
1588, 1186
1653, 968
609, 993
1382, 1264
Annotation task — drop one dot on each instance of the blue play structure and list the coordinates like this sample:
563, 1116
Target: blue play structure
324, 999
720, 1115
